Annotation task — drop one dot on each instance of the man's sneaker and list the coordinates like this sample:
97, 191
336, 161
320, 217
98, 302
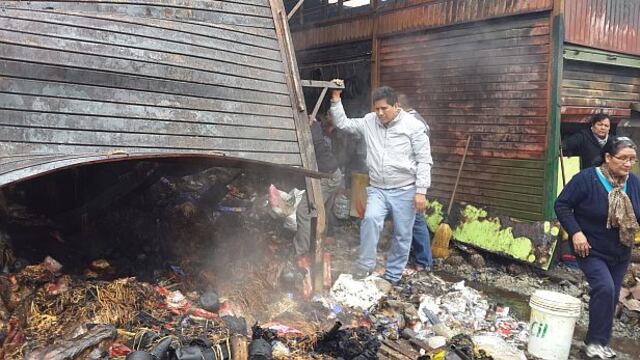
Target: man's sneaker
596, 351
609, 351
360, 274
422, 269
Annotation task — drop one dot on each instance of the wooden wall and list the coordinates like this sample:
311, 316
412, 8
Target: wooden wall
489, 80
144, 76
590, 88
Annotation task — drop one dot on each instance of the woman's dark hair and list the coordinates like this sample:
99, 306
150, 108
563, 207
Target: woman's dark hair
598, 117
615, 144
385, 93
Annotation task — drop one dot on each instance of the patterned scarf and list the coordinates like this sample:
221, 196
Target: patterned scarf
621, 214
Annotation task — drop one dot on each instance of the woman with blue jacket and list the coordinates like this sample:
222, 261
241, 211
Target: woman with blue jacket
600, 208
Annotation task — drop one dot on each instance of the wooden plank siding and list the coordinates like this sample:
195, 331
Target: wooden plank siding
488, 80
80, 77
612, 25
589, 88
409, 16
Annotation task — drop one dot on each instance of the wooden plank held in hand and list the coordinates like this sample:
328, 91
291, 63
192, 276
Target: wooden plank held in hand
304, 135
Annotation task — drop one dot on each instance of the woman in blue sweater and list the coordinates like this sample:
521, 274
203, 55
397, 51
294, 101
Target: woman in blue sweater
600, 208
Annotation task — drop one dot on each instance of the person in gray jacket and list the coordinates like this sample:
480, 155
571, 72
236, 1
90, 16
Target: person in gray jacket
399, 163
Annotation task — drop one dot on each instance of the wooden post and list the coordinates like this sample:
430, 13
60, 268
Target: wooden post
239, 348
556, 62
303, 131
375, 48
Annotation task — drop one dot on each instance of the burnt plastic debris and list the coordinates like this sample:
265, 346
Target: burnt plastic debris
210, 301
258, 332
235, 325
463, 346
350, 344
160, 352
140, 355
201, 349
260, 347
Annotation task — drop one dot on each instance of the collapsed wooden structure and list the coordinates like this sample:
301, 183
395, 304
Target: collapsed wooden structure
86, 81
213, 82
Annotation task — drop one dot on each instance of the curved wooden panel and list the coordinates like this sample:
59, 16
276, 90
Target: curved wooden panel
150, 76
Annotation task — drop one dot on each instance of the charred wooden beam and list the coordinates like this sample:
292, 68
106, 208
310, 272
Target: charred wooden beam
295, 9
305, 142
321, 84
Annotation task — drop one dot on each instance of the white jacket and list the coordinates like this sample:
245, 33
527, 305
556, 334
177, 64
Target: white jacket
398, 154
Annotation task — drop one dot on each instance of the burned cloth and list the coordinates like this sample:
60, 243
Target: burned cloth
621, 214
350, 344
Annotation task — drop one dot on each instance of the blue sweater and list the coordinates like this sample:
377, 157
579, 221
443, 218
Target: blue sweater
583, 206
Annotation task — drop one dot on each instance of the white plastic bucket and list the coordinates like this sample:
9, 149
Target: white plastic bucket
553, 319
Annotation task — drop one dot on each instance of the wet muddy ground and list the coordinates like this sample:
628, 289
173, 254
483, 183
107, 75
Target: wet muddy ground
499, 279
627, 349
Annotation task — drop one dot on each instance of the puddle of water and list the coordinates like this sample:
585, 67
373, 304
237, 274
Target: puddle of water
519, 305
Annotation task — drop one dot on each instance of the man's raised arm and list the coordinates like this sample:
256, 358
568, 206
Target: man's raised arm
340, 119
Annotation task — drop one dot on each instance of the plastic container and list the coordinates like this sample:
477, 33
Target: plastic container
327, 281
553, 320
359, 183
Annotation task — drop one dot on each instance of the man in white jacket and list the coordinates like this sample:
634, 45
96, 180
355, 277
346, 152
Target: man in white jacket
399, 163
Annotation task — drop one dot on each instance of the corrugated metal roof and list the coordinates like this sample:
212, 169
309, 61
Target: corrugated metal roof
143, 77
612, 25
409, 16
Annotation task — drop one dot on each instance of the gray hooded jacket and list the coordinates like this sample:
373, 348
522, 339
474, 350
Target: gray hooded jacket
398, 154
